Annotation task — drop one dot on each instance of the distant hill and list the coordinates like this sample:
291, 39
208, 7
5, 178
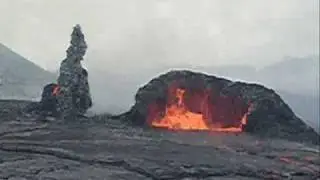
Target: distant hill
295, 75
19, 77
305, 106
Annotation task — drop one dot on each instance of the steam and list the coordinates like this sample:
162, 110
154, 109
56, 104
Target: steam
132, 41
131, 33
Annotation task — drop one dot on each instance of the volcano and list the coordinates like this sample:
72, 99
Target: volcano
186, 100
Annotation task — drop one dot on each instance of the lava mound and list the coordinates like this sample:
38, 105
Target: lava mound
186, 100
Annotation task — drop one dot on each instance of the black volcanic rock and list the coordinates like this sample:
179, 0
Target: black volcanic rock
102, 148
270, 116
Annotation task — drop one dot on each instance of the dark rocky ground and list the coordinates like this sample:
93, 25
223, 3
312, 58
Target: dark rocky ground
101, 148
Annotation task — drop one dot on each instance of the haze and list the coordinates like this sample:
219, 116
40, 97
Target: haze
129, 33
132, 41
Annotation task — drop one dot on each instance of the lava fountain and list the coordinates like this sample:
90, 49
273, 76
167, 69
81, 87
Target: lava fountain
187, 109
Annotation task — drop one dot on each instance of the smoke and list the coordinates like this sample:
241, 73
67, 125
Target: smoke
132, 33
132, 41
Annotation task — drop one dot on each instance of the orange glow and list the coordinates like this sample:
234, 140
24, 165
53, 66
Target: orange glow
284, 159
178, 116
56, 90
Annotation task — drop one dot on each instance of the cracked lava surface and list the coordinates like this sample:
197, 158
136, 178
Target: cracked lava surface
101, 148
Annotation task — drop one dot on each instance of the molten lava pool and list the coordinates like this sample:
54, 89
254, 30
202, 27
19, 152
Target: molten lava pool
195, 111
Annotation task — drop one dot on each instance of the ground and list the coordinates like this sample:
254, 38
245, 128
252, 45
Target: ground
102, 148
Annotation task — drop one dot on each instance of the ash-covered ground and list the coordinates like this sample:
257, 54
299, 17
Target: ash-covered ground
102, 148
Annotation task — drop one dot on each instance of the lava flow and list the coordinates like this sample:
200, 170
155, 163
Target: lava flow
187, 111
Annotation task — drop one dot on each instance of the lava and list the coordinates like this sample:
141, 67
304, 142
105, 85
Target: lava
178, 117
56, 90
194, 111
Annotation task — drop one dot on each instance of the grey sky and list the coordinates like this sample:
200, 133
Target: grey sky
131, 32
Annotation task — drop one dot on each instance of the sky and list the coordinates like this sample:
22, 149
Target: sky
133, 33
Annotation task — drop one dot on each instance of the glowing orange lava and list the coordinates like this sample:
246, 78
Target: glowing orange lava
177, 115
56, 90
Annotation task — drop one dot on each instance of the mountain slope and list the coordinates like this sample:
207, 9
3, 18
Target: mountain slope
305, 106
20, 78
294, 75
